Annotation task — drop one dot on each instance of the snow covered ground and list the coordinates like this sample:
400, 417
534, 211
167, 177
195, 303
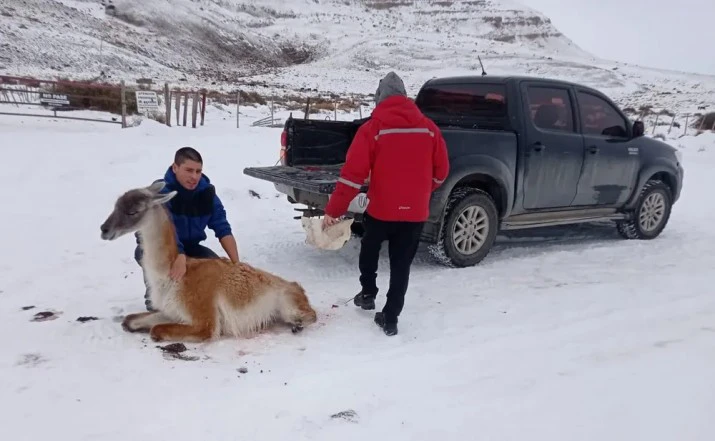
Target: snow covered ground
561, 334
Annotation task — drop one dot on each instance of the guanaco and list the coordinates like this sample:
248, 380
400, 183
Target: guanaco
215, 297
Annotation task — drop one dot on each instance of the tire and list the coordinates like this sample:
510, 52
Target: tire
478, 207
651, 213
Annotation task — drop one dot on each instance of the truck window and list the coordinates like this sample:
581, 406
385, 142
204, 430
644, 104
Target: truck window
598, 117
464, 100
550, 108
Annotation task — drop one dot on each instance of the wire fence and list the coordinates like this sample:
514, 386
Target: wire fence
100, 102
115, 103
667, 124
61, 99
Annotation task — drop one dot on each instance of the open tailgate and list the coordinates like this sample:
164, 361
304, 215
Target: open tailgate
314, 179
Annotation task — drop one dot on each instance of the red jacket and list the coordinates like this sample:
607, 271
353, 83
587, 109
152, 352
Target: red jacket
404, 155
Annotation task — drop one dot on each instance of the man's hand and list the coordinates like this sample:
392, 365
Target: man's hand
178, 269
329, 221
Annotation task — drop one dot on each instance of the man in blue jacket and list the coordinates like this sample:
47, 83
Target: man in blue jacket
195, 207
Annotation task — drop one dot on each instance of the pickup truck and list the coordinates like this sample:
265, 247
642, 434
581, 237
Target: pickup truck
524, 153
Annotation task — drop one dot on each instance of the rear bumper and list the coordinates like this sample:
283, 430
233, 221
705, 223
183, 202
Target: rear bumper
318, 200
299, 196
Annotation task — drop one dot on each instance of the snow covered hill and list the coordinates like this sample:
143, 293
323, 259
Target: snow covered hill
337, 46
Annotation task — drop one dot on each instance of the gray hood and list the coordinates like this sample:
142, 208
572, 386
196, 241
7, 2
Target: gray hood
389, 86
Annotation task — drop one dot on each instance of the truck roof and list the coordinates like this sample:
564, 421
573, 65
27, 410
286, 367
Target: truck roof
472, 79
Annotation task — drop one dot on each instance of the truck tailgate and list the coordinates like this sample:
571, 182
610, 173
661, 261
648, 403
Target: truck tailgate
314, 179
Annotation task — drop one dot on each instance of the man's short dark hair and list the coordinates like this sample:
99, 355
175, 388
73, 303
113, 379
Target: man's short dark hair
187, 153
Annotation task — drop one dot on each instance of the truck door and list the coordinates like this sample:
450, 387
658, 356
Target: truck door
611, 159
554, 149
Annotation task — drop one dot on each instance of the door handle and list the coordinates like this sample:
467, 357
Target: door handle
537, 147
593, 150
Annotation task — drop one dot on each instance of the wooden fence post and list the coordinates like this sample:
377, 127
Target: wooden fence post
307, 109
194, 109
167, 102
687, 116
238, 109
203, 106
177, 107
123, 100
186, 106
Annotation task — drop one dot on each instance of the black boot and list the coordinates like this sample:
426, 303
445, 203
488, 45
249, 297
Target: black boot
390, 328
364, 301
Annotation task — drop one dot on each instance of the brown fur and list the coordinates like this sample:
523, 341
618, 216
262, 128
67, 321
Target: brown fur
213, 295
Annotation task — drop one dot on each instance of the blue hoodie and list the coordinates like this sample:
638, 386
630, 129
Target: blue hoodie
194, 210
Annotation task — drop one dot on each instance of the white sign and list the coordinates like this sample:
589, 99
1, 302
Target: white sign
146, 100
53, 99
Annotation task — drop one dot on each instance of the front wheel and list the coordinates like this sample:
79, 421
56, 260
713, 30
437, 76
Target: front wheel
469, 229
651, 213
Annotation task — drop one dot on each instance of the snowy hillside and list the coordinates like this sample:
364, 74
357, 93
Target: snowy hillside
339, 46
576, 335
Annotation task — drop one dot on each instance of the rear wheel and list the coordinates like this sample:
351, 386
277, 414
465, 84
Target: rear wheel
651, 213
469, 229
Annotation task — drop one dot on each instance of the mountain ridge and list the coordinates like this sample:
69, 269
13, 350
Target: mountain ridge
335, 46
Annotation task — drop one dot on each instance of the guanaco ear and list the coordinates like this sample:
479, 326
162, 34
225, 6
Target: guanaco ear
156, 187
161, 198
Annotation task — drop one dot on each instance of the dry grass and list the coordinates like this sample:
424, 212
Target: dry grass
705, 122
94, 96
287, 101
107, 97
329, 104
253, 98
386, 4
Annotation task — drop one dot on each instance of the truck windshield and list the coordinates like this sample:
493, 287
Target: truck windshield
481, 100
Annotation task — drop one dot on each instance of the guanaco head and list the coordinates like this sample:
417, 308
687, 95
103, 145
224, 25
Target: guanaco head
131, 209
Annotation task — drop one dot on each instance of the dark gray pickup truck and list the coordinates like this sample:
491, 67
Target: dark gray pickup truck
524, 153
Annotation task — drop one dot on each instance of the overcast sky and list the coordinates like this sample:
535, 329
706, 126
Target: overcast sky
679, 35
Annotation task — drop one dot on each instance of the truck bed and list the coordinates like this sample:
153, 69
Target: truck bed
314, 179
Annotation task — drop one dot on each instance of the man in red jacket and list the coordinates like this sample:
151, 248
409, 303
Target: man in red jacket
404, 155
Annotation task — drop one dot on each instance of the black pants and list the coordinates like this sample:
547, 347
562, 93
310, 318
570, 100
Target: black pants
191, 250
403, 240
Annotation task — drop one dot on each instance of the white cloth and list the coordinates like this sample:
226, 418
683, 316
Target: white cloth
332, 238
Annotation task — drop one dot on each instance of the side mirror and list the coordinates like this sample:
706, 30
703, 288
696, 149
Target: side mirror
638, 129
